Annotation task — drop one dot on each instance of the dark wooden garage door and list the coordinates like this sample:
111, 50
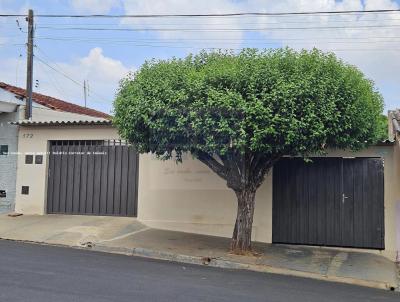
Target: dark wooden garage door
93, 178
330, 202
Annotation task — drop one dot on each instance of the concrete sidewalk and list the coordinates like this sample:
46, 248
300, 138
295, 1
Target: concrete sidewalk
130, 237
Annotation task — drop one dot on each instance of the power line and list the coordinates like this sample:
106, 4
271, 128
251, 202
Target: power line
210, 15
237, 40
215, 29
52, 81
302, 21
11, 44
183, 47
154, 43
12, 15
222, 14
172, 43
239, 49
47, 57
112, 39
66, 76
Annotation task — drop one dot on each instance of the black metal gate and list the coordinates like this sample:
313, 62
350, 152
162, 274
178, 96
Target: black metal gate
329, 202
92, 178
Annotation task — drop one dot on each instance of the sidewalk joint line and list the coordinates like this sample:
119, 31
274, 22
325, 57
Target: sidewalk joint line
124, 235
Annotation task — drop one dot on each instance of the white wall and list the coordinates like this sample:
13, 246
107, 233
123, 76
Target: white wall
8, 163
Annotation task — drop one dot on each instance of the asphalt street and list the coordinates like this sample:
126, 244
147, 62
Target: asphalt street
35, 273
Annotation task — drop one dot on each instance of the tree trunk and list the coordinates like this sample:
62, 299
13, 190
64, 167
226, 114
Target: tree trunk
241, 239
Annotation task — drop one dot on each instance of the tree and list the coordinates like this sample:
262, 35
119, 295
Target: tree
240, 113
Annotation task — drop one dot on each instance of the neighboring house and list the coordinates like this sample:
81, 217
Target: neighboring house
394, 124
344, 199
12, 107
9, 105
394, 133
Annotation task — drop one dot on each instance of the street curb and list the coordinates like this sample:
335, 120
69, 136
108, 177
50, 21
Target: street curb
218, 263
227, 264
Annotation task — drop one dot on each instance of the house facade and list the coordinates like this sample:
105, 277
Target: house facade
12, 108
71, 161
344, 199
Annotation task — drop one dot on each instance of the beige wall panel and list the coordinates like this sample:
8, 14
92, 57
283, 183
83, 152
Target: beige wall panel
190, 197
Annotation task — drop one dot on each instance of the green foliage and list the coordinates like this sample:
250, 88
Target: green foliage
383, 128
270, 102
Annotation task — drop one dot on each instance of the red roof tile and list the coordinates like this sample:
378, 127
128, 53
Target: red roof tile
53, 103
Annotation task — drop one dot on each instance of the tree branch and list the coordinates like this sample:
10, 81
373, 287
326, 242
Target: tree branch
212, 163
232, 163
262, 165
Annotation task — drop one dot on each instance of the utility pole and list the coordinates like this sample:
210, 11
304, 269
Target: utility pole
29, 72
85, 91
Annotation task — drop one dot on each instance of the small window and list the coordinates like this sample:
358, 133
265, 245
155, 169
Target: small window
3, 194
28, 159
4, 150
39, 159
25, 190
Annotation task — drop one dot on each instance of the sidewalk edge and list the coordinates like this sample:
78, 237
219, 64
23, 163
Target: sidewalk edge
227, 264
219, 263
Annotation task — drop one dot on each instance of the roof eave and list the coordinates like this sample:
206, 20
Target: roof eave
387, 142
28, 123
